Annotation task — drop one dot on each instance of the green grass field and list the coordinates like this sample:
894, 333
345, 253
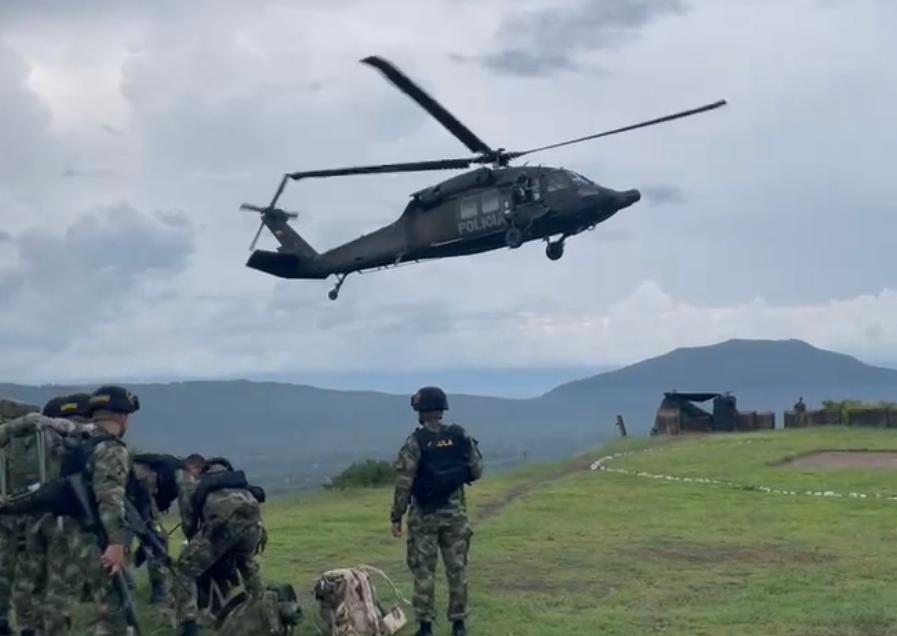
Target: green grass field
564, 550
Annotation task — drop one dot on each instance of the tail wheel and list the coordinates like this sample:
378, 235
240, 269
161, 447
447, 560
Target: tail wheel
554, 251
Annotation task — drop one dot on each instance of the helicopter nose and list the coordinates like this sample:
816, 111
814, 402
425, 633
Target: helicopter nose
628, 197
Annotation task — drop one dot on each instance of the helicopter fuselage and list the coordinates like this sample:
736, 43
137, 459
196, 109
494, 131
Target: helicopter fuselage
477, 211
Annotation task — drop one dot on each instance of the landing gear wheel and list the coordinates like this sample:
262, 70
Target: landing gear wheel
554, 251
514, 238
333, 294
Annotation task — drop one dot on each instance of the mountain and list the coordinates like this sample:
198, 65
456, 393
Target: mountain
296, 435
739, 364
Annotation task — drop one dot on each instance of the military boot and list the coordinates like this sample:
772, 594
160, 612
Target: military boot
458, 628
426, 629
189, 628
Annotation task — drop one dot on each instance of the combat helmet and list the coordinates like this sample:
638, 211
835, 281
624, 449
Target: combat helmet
429, 398
114, 398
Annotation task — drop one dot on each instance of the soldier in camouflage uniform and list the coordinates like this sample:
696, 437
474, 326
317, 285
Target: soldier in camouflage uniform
433, 465
108, 467
51, 541
221, 522
12, 528
156, 569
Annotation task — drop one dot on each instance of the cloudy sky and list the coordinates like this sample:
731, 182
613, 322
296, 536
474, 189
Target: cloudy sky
130, 134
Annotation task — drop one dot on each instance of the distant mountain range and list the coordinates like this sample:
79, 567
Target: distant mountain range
296, 435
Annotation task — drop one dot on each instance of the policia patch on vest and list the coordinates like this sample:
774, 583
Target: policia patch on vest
444, 465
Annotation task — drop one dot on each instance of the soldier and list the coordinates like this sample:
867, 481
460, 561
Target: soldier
51, 574
433, 466
222, 519
800, 410
12, 537
156, 473
107, 468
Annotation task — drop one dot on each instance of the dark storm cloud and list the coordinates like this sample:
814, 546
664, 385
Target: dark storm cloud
548, 40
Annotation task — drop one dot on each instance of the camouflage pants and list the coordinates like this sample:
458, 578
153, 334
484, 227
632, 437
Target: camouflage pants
428, 535
110, 615
236, 539
10, 543
52, 576
21, 568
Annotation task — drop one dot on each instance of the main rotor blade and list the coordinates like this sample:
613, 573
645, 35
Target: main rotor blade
415, 166
248, 207
644, 124
257, 235
437, 110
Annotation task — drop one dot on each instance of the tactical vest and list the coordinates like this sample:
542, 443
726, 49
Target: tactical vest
443, 467
221, 480
165, 467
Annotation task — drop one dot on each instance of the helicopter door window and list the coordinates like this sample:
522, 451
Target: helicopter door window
469, 208
491, 202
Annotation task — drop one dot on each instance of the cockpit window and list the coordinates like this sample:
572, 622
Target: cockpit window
578, 178
556, 181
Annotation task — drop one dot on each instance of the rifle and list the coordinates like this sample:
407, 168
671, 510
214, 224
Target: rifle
151, 537
90, 520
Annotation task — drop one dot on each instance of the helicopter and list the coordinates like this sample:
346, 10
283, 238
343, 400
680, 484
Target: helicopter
493, 206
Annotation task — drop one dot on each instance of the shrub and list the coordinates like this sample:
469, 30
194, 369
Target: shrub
371, 473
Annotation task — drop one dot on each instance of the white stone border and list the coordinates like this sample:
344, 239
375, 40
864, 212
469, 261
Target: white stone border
601, 464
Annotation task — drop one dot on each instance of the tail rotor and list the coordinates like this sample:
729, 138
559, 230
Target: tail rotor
267, 214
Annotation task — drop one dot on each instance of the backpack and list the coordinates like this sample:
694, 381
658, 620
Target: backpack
275, 613
350, 607
443, 467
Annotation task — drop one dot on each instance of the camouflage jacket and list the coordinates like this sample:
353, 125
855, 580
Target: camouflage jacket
221, 506
147, 478
406, 466
109, 466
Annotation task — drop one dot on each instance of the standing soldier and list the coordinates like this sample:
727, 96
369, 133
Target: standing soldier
53, 576
433, 466
222, 519
107, 468
800, 410
12, 537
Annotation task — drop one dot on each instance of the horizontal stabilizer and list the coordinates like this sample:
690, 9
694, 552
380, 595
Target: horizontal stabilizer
283, 265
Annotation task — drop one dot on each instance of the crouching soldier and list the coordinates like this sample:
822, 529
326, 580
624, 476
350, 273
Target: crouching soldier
433, 466
222, 519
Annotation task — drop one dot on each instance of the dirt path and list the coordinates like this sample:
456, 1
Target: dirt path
494, 507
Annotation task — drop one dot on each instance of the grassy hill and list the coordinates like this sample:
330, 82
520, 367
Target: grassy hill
560, 549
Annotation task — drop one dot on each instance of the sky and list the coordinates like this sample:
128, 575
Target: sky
131, 133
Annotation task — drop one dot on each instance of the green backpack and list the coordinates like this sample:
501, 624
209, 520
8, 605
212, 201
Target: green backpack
22, 457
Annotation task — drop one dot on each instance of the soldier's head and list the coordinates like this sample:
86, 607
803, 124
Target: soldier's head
430, 402
111, 408
195, 464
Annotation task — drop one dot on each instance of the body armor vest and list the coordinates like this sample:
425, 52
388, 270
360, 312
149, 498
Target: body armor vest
443, 466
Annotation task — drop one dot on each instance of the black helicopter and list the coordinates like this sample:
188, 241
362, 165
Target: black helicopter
492, 206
